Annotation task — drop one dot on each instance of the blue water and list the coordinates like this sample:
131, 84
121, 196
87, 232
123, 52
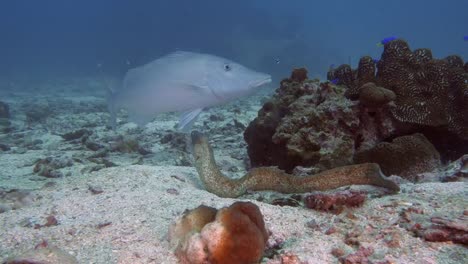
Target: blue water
66, 37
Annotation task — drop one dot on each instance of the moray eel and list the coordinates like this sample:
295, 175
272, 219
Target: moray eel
271, 178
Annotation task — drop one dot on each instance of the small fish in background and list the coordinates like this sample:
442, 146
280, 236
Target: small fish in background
277, 61
335, 81
465, 38
385, 41
182, 81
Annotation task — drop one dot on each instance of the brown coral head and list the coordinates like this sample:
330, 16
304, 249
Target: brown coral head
366, 70
371, 95
454, 61
396, 50
406, 156
299, 75
236, 235
422, 55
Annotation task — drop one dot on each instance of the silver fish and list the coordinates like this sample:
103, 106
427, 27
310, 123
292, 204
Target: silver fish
184, 82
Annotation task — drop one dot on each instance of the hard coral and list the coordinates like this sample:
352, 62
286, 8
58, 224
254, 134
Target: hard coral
236, 235
299, 75
405, 156
429, 92
371, 95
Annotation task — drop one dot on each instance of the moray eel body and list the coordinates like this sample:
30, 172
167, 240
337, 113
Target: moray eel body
271, 178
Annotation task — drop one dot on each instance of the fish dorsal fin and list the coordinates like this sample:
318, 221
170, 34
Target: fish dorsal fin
187, 119
179, 55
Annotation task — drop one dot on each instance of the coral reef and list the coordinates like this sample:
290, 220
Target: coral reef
406, 156
234, 234
430, 93
270, 178
311, 124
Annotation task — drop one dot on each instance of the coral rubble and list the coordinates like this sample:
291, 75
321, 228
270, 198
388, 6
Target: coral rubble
335, 202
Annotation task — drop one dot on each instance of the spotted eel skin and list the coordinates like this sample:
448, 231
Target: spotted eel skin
271, 178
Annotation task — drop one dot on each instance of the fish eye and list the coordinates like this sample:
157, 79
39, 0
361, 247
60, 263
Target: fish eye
227, 67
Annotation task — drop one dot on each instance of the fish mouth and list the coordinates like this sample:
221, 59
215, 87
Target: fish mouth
260, 82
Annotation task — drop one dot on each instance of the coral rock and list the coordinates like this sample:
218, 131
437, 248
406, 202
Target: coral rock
299, 75
310, 124
237, 235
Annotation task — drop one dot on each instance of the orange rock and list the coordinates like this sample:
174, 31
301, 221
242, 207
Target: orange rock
236, 236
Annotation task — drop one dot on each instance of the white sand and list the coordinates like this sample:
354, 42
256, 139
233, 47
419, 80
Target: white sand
139, 202
139, 208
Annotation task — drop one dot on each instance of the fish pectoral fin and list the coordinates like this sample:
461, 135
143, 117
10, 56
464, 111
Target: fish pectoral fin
196, 89
187, 119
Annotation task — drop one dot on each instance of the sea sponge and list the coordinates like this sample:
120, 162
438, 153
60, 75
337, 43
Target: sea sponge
236, 235
405, 156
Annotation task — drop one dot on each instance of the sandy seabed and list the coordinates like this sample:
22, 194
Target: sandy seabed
122, 214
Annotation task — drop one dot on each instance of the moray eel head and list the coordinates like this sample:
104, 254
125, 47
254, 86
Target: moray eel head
200, 145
